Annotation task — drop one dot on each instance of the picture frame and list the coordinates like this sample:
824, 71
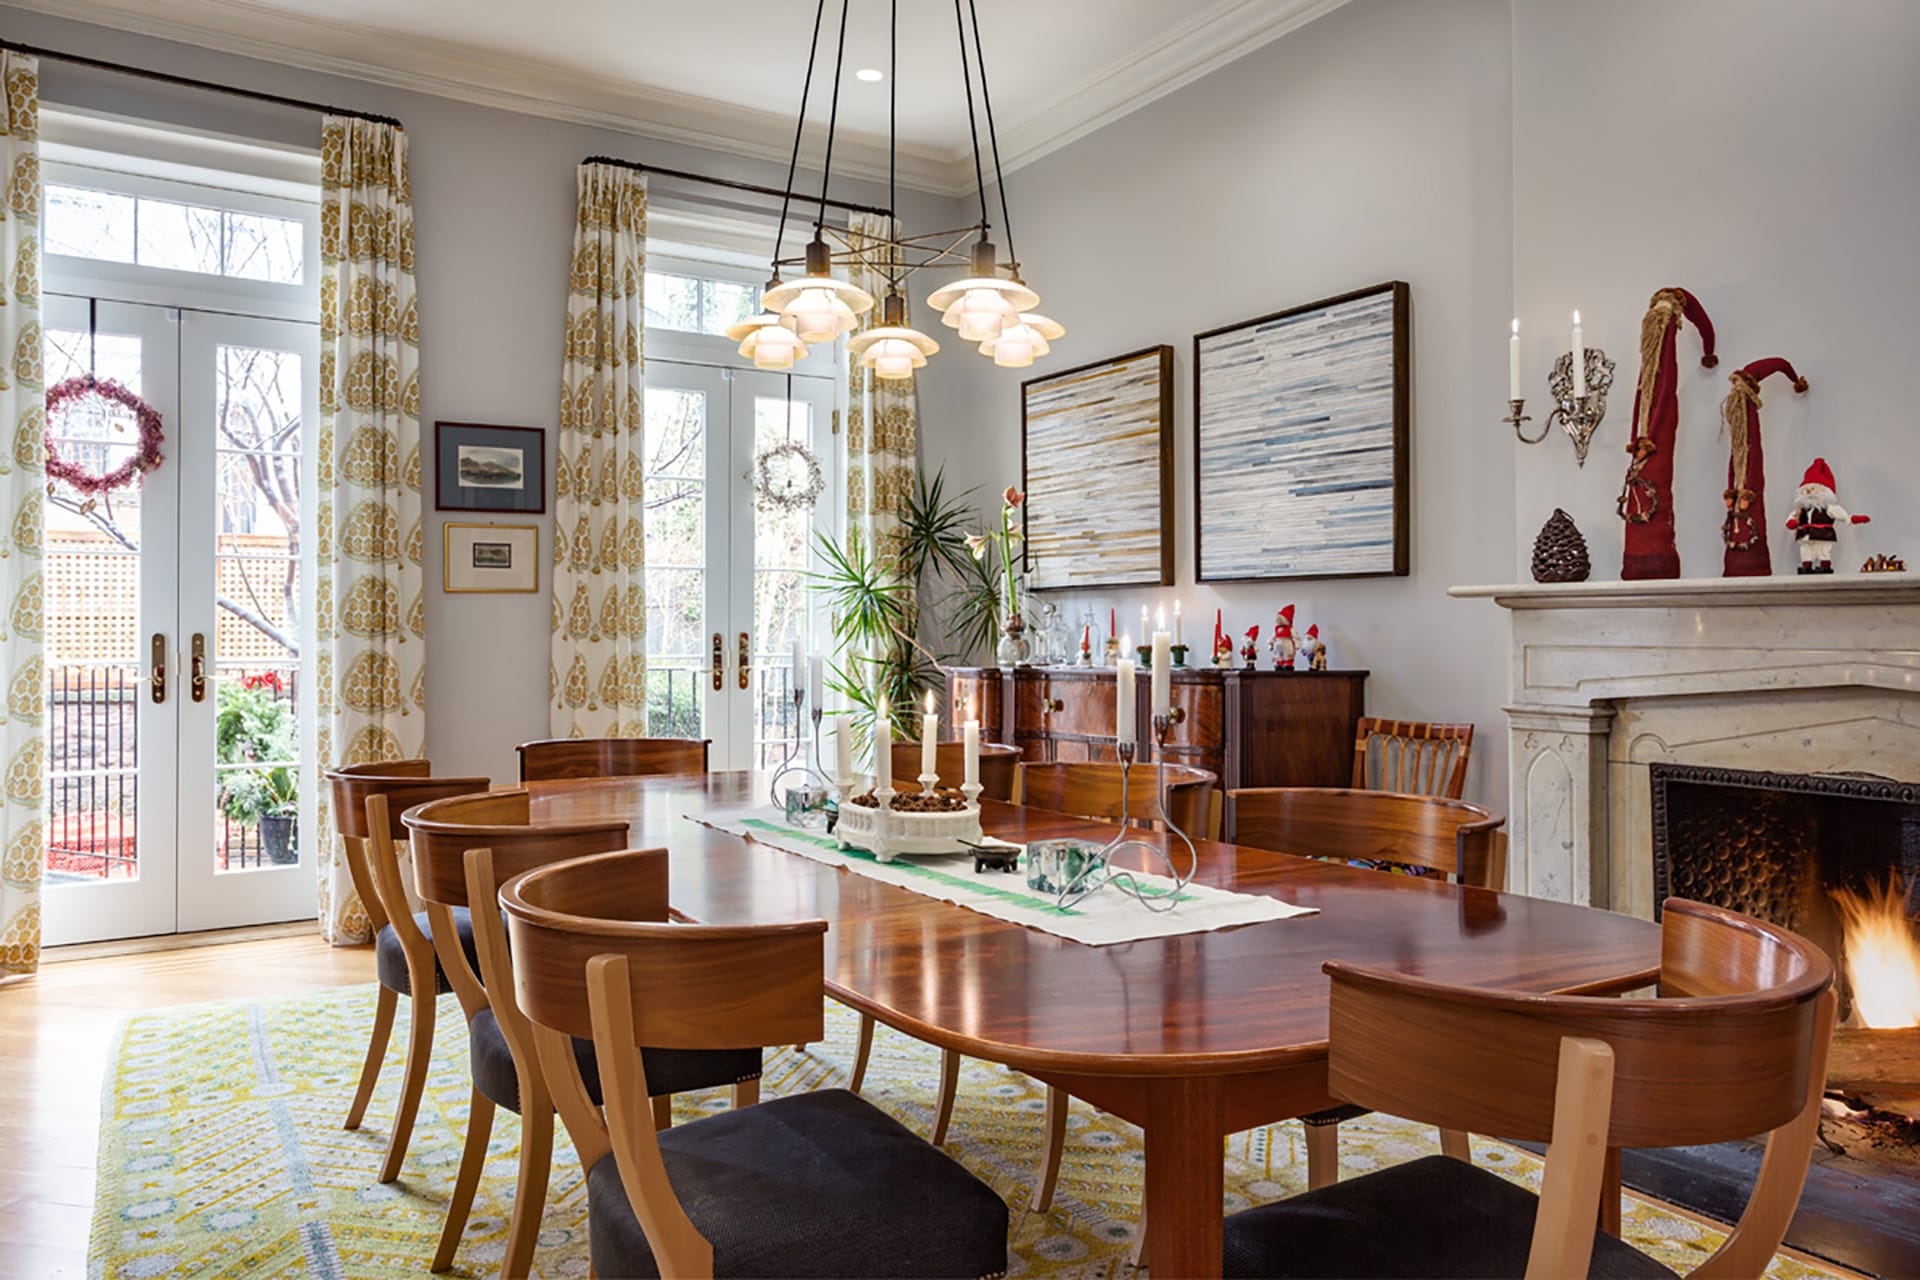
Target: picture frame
1300, 441
479, 467
1096, 465
490, 557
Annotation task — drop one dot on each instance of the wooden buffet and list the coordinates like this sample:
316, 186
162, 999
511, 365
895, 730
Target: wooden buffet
1258, 728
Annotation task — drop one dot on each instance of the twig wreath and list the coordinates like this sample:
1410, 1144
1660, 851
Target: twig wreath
78, 393
787, 477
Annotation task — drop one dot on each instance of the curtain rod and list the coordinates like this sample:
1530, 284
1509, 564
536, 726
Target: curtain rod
757, 189
188, 82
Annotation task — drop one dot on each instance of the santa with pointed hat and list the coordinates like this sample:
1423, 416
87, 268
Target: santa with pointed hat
1646, 496
1817, 517
1745, 529
1284, 645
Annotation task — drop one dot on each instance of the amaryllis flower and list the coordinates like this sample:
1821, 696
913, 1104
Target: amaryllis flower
977, 543
1013, 497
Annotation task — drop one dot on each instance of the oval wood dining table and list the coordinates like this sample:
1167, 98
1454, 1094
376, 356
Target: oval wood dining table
1190, 1037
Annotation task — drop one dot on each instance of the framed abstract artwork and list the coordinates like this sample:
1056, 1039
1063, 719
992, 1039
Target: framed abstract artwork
1300, 441
483, 468
491, 557
1096, 462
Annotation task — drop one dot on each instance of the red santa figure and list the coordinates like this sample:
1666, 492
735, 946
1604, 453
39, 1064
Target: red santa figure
1284, 646
1222, 643
1251, 649
1817, 515
1316, 649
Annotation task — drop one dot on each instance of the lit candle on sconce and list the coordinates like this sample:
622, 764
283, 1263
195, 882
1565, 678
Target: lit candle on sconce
1513, 362
1579, 360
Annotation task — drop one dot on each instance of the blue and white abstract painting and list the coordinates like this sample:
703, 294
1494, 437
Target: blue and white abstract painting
1297, 444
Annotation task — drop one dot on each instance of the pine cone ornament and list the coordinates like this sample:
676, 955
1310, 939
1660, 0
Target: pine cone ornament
1560, 553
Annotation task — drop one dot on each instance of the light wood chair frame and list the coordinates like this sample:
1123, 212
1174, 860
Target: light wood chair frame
1735, 1044
1416, 757
457, 845
365, 797
560, 759
705, 987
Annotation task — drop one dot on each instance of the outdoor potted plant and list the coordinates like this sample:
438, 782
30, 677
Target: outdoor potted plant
254, 726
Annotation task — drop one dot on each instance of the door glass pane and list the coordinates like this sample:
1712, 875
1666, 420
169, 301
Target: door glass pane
779, 585
676, 515
255, 662
94, 663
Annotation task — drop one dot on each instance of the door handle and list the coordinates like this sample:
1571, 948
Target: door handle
159, 677
719, 662
746, 661
197, 682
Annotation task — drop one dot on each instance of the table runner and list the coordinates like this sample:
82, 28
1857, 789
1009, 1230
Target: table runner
1101, 919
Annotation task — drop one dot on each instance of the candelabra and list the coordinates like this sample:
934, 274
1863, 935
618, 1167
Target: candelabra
813, 779
1100, 872
1578, 415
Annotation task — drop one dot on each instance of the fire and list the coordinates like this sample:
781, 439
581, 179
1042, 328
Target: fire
1883, 956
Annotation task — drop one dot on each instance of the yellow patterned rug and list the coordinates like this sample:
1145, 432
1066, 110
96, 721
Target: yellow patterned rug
221, 1154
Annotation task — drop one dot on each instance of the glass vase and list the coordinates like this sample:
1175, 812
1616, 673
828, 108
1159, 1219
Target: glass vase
1012, 650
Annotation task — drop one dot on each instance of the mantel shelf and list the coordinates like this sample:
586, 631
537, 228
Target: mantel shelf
1795, 590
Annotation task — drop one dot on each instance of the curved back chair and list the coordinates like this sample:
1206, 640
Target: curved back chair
367, 798
463, 849
1092, 790
1370, 828
1411, 757
997, 766
1734, 1045
555, 759
809, 1183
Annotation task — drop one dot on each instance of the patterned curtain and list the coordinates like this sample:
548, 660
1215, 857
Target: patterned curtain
881, 428
370, 614
22, 519
598, 680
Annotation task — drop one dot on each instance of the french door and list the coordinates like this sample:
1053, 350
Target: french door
727, 576
178, 621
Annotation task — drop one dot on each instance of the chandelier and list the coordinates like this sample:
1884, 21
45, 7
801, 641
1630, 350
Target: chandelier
990, 306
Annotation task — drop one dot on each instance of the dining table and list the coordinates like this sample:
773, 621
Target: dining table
1192, 1037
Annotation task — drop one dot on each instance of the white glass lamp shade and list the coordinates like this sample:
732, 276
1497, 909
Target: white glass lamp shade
767, 343
892, 352
1022, 341
818, 308
979, 307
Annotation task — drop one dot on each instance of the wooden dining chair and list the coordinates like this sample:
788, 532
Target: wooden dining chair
462, 849
556, 759
367, 800
1411, 757
818, 1183
1380, 830
997, 765
1734, 1044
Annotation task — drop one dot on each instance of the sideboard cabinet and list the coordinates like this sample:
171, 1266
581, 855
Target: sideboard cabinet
1251, 728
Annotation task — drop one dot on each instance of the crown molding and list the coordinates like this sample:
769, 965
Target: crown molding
1183, 54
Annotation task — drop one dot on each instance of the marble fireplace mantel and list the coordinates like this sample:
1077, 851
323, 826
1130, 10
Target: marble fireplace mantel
1799, 674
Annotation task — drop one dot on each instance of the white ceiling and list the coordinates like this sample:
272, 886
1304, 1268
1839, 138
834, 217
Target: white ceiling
728, 73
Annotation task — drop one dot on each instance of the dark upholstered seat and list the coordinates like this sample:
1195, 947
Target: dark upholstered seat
668, 1070
390, 962
1438, 1217
818, 1184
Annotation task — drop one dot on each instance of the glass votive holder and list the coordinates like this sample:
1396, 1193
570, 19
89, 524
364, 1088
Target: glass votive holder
1053, 865
807, 806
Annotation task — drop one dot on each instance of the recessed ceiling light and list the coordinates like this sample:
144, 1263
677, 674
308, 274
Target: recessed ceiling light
872, 75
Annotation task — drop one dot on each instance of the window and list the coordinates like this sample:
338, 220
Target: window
698, 304
112, 226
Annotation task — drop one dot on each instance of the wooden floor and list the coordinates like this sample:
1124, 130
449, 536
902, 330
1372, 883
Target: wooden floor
56, 1030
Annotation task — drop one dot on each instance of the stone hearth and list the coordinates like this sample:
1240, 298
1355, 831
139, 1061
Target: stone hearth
1787, 675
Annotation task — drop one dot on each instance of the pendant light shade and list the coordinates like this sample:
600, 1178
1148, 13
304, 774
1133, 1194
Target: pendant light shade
768, 343
818, 307
1023, 340
894, 349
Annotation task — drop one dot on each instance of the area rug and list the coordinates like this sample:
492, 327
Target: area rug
221, 1154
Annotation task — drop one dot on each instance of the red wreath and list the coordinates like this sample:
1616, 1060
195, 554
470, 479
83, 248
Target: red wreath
62, 397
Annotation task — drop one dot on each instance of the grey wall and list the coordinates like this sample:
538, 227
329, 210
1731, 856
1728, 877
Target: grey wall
494, 210
1371, 145
1764, 154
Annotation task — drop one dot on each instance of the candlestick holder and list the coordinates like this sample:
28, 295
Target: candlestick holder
1179, 652
1517, 414
928, 781
1100, 872
813, 783
1579, 416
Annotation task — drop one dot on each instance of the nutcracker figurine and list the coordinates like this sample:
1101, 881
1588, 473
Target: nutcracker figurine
1316, 649
1817, 515
1251, 649
1283, 645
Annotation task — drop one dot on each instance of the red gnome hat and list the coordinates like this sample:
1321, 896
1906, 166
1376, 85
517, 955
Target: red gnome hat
1745, 528
1287, 615
1313, 632
1819, 473
1646, 498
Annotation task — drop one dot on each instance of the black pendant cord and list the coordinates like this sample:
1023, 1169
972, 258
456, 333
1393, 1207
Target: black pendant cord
893, 142
799, 127
833, 119
993, 138
188, 82
973, 128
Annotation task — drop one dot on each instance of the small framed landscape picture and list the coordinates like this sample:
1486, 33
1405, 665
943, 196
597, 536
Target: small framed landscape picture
482, 468
492, 557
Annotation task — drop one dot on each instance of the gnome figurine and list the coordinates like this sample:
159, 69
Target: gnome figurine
1250, 651
1646, 496
1284, 646
1817, 515
1222, 643
1745, 528
1316, 649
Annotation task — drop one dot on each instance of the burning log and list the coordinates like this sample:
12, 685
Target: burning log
1875, 1058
